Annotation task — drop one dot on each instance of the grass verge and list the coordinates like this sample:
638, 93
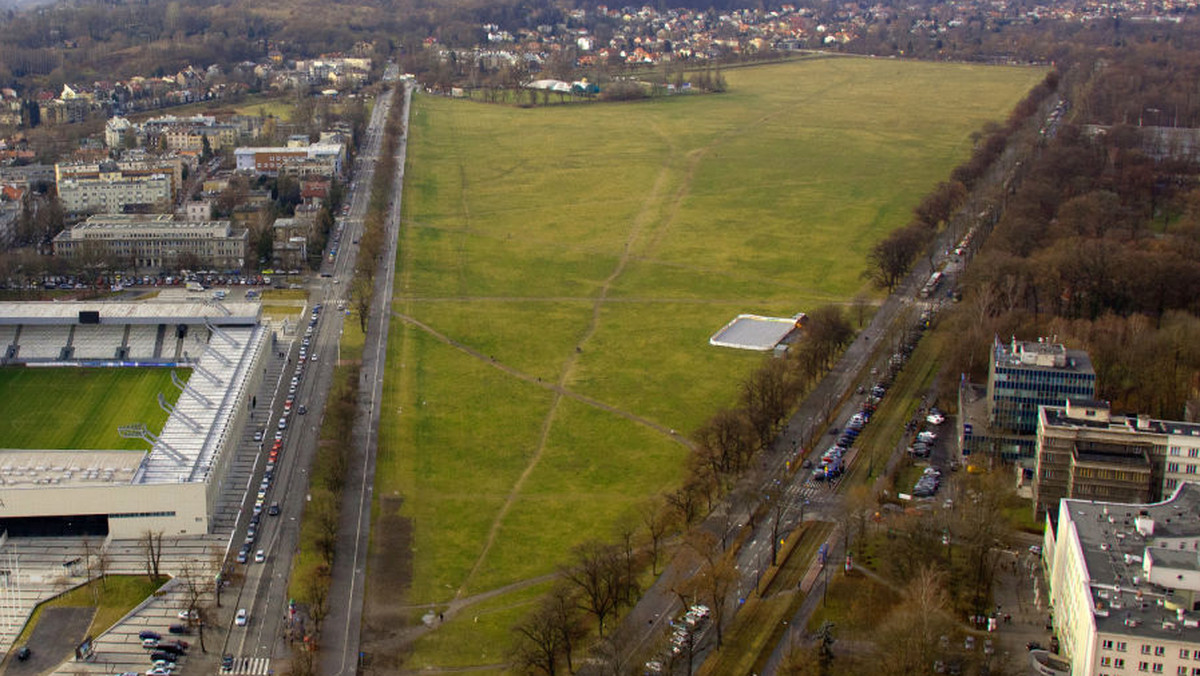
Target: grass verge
113, 597
763, 619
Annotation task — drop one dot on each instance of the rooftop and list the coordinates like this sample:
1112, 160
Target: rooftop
1041, 355
1066, 417
1126, 548
196, 311
752, 332
30, 468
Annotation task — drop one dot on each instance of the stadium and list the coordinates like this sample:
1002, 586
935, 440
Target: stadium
206, 356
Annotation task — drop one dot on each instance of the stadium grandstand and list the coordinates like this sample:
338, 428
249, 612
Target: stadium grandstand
173, 486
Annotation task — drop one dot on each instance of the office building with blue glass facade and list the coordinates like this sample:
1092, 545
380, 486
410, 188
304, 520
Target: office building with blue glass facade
1024, 375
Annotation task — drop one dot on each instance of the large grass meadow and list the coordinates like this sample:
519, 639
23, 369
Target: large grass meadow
80, 408
560, 272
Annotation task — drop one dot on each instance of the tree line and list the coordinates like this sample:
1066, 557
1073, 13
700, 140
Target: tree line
890, 260
601, 578
323, 513
1099, 245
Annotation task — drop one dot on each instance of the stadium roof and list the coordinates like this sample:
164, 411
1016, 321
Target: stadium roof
33, 469
122, 312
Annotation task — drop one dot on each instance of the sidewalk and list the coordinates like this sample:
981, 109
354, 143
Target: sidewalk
1016, 576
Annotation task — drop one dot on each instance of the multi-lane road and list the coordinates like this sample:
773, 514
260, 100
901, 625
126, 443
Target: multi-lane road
266, 636
340, 641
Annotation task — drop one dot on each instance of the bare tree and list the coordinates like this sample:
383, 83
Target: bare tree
196, 585
909, 636
152, 549
716, 577
657, 520
599, 574
539, 642
327, 529
316, 588
360, 295
767, 396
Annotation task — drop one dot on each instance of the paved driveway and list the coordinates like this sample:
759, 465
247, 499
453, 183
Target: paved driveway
54, 639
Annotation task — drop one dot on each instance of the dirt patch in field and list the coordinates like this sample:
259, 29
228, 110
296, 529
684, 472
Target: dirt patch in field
389, 576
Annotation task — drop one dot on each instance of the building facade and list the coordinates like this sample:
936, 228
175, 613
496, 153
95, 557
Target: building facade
155, 242
114, 192
1024, 375
319, 159
85, 181
1086, 452
1123, 580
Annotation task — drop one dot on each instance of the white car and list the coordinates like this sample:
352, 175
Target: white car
260, 556
241, 618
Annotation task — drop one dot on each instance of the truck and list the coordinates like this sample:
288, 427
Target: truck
195, 286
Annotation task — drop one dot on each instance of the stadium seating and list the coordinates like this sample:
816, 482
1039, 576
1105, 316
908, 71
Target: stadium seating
192, 455
7, 333
97, 341
141, 341
42, 342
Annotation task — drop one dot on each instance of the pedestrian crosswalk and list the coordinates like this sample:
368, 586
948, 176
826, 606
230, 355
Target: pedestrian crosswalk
249, 666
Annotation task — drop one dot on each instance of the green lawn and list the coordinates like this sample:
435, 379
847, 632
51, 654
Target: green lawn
81, 408
113, 597
599, 247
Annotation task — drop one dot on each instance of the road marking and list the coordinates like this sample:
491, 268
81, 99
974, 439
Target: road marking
250, 666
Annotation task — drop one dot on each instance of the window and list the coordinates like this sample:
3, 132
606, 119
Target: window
1159, 650
1107, 662
1157, 668
1143, 666
1107, 644
1181, 671
1119, 663
1184, 653
1145, 648
1121, 646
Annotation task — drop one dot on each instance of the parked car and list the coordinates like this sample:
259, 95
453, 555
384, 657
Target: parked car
178, 629
241, 618
24, 653
150, 634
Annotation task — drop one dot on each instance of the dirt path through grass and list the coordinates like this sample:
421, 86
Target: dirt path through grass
642, 221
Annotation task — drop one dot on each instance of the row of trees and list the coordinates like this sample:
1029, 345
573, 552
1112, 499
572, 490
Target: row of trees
890, 260
321, 519
601, 578
1099, 244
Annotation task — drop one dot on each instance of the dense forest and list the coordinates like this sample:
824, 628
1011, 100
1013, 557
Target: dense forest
1099, 242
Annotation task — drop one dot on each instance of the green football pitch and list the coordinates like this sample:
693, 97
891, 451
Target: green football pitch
80, 408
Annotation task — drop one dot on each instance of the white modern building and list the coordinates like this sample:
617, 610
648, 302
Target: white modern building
325, 159
216, 351
113, 192
1124, 584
